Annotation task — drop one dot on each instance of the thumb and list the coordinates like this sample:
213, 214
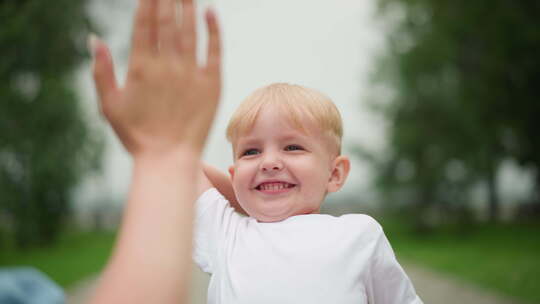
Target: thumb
103, 70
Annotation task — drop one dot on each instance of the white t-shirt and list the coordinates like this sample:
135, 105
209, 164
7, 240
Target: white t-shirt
310, 258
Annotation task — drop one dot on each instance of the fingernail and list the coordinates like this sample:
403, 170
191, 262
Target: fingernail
92, 44
211, 12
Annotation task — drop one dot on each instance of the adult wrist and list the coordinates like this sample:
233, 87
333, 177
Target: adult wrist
181, 158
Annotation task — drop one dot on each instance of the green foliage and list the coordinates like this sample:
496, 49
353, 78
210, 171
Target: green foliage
464, 75
45, 144
76, 256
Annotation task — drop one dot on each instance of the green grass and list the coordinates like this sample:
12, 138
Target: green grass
75, 257
501, 258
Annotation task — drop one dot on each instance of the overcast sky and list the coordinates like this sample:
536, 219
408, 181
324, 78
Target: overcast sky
323, 44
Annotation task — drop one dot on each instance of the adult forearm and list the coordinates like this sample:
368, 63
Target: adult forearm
156, 231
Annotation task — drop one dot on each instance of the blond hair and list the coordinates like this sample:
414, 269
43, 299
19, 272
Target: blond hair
295, 102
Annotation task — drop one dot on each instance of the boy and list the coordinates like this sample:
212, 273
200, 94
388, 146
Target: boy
286, 143
286, 160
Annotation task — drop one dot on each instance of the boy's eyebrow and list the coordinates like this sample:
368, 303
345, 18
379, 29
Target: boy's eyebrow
251, 140
298, 134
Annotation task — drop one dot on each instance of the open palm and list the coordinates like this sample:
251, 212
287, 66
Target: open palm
168, 100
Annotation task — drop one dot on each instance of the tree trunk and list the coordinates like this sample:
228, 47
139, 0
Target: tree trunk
493, 195
536, 196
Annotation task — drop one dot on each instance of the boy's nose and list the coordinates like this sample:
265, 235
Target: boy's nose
271, 164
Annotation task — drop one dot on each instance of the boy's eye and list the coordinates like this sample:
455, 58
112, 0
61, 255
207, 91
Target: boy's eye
250, 152
293, 148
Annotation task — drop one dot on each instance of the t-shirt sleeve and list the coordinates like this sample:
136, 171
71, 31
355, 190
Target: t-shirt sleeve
214, 220
387, 282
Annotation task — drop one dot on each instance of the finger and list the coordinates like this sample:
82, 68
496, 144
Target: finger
188, 37
145, 27
213, 61
167, 27
103, 70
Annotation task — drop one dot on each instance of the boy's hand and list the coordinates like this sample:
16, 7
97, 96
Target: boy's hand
168, 102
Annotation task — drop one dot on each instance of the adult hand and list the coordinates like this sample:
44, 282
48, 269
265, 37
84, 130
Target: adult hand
168, 101
162, 115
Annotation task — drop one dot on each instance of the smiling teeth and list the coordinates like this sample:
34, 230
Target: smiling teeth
273, 186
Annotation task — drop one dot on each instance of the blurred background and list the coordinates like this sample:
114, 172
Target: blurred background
440, 107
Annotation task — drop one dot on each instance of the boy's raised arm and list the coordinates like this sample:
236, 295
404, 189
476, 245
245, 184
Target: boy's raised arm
162, 116
223, 184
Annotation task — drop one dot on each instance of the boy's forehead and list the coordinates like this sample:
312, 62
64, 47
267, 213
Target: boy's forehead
291, 134
289, 125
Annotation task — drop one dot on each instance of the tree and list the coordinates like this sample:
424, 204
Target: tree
464, 73
45, 143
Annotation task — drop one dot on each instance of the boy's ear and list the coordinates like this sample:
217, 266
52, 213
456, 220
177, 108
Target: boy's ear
231, 171
340, 170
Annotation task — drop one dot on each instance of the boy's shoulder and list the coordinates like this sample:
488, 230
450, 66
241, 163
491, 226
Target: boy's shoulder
358, 231
366, 226
360, 219
352, 219
354, 225
361, 223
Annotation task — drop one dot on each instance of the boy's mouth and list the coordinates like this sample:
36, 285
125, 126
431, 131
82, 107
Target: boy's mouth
274, 186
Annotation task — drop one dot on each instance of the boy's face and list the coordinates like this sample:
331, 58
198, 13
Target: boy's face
281, 171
